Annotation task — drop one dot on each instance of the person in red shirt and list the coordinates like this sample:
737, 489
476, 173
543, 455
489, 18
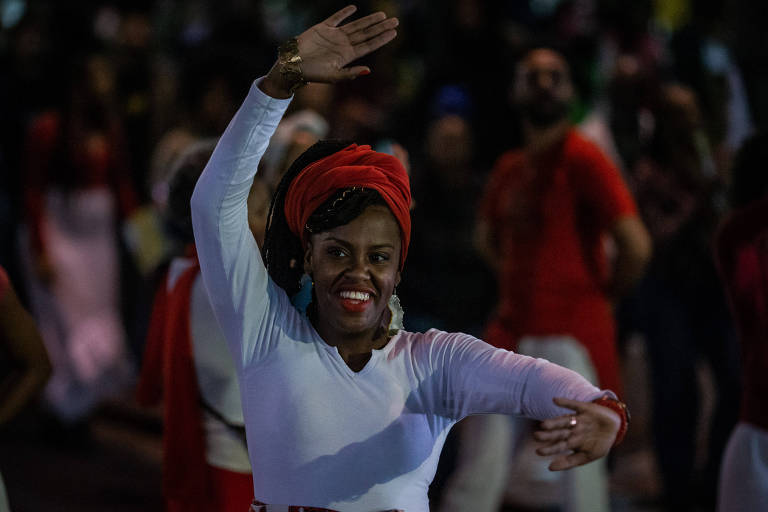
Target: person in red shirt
548, 211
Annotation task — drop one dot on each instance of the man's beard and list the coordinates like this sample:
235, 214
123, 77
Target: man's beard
544, 114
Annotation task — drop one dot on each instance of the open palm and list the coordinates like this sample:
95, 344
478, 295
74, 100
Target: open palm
328, 47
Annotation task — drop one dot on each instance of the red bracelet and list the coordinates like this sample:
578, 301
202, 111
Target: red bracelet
619, 408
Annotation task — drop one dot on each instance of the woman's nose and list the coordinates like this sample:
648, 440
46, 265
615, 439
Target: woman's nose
359, 267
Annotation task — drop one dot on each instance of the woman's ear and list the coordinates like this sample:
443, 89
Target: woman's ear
308, 259
398, 276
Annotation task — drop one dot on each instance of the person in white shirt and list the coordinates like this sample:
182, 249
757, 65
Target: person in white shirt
345, 410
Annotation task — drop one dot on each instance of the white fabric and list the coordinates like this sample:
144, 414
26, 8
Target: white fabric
320, 434
479, 478
744, 471
585, 487
216, 377
497, 458
596, 127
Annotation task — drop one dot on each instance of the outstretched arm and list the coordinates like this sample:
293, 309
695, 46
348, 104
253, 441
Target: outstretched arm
233, 272
481, 379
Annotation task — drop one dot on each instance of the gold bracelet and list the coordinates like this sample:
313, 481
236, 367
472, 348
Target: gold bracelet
289, 63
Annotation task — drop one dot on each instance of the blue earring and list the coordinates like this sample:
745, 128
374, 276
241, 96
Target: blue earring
303, 297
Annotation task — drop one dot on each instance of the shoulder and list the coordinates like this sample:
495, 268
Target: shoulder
432, 342
579, 147
435, 336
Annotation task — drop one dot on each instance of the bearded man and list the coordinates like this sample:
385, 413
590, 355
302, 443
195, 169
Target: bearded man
545, 217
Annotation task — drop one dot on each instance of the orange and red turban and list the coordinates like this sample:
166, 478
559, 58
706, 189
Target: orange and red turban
353, 166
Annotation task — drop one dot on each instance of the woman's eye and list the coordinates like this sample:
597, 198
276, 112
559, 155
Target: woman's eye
379, 258
336, 252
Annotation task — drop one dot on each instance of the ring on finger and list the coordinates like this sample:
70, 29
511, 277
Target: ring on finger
573, 422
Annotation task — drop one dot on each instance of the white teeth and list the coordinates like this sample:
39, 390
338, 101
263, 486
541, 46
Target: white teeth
355, 295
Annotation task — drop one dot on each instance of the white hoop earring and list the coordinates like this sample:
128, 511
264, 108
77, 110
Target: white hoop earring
396, 315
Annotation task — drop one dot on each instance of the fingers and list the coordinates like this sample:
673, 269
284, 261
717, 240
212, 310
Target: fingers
340, 16
569, 461
562, 443
372, 31
553, 448
374, 43
353, 72
363, 23
549, 436
559, 422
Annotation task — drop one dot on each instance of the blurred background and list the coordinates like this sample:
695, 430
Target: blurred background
98, 98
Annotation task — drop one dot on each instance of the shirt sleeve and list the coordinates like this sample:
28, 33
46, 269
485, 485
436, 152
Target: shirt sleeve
243, 297
477, 378
600, 184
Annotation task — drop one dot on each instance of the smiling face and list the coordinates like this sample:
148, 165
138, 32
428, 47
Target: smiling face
355, 268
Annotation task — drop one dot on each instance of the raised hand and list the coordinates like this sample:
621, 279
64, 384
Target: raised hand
328, 47
578, 438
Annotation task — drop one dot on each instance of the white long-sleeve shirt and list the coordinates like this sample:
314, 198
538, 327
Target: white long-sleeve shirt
320, 434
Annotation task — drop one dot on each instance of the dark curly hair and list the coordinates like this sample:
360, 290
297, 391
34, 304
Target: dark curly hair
187, 170
283, 253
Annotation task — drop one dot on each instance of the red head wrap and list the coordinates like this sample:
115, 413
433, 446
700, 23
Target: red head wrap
353, 166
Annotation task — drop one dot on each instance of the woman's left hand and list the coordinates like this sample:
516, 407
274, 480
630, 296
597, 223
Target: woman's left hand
579, 438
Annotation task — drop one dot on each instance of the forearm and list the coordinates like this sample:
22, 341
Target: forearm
219, 202
489, 380
546, 381
633, 251
628, 269
29, 361
230, 262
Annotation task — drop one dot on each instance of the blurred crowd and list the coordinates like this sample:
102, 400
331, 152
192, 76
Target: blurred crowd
99, 99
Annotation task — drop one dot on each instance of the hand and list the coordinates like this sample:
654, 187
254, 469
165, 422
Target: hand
590, 438
326, 48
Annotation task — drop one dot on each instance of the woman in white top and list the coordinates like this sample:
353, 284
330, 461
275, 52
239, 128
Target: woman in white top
342, 409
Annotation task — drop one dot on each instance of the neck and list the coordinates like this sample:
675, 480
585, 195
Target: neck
541, 139
354, 348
